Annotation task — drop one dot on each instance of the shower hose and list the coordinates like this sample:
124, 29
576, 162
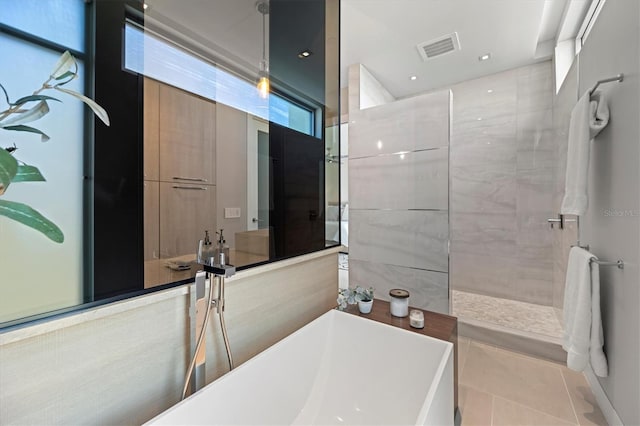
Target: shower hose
220, 307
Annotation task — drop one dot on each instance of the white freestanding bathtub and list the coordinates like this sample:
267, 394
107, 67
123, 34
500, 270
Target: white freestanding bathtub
338, 369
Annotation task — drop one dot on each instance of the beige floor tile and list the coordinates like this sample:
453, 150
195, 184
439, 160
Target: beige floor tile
463, 348
546, 362
479, 344
475, 407
519, 379
584, 402
509, 413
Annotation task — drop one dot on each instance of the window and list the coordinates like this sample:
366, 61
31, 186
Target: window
39, 275
587, 24
155, 57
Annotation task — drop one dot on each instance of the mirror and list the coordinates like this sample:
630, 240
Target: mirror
193, 145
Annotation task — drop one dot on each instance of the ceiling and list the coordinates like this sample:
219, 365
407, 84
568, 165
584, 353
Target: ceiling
230, 33
231, 29
383, 34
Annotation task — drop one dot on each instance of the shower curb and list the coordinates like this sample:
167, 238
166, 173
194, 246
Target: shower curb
533, 344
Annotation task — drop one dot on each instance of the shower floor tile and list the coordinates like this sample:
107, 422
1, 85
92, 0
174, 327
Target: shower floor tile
507, 313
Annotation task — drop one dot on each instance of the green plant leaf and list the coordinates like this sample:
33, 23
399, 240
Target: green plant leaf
6, 95
37, 112
27, 216
97, 109
28, 173
32, 98
8, 169
66, 75
29, 129
64, 65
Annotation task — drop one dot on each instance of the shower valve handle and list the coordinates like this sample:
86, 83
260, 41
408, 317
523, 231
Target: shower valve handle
559, 220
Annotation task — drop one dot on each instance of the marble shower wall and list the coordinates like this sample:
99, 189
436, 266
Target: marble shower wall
563, 104
398, 194
502, 168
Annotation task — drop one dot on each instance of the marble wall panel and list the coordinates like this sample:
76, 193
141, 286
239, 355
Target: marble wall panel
535, 87
534, 196
503, 176
483, 166
416, 123
398, 194
414, 180
487, 97
416, 239
533, 281
492, 234
536, 144
487, 274
428, 290
478, 142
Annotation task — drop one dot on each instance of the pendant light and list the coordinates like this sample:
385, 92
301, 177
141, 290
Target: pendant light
263, 74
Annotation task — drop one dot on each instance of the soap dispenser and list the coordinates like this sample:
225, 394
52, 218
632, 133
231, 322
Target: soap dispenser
221, 251
205, 250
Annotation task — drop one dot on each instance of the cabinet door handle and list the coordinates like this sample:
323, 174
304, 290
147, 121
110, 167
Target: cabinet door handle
190, 179
195, 188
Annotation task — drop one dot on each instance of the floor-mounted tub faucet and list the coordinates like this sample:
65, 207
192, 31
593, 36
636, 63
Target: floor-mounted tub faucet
196, 372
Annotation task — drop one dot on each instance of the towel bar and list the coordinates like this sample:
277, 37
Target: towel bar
619, 263
617, 78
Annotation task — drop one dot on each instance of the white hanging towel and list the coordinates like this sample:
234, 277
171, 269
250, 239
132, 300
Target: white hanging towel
583, 337
588, 118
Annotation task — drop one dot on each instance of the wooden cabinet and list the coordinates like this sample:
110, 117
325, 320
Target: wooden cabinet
187, 137
186, 210
151, 220
151, 130
179, 179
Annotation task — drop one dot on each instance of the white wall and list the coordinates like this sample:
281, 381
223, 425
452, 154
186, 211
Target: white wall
612, 224
231, 169
372, 93
125, 362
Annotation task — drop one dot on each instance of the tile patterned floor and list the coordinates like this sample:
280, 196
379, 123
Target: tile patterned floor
498, 387
508, 313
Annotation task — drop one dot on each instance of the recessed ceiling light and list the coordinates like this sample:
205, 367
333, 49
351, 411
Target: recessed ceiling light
479, 118
145, 6
484, 57
413, 77
490, 91
379, 144
304, 54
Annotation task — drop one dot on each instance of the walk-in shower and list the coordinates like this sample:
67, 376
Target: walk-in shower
503, 170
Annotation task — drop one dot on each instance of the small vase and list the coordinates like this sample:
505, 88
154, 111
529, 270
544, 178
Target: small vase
365, 307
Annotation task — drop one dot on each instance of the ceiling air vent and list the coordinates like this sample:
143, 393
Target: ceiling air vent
439, 46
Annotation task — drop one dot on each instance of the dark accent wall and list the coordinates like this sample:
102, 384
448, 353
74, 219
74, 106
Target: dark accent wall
297, 216
117, 178
294, 26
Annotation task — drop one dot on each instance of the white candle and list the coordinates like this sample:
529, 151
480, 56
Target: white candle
399, 304
416, 319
